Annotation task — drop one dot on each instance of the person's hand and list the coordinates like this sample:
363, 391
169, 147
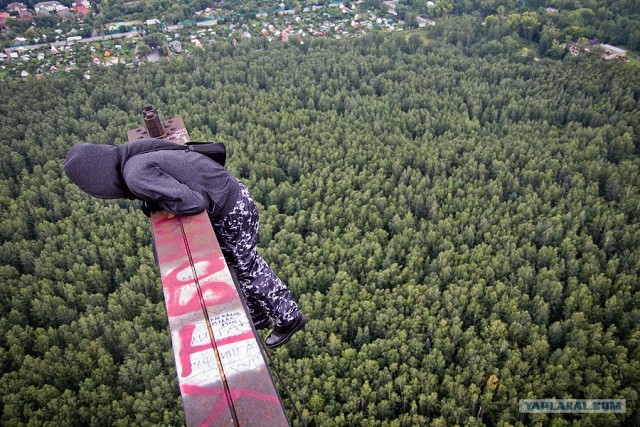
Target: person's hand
149, 207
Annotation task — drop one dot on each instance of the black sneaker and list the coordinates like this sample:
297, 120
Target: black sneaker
281, 334
264, 323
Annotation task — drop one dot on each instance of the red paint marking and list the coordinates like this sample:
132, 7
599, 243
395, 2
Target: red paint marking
180, 240
213, 293
215, 412
172, 248
187, 348
203, 268
161, 220
164, 225
197, 390
235, 338
236, 393
245, 392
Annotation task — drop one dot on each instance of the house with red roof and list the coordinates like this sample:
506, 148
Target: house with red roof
80, 9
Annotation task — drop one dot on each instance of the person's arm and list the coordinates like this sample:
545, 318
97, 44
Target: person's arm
151, 183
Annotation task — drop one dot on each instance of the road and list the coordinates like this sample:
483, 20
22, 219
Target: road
63, 43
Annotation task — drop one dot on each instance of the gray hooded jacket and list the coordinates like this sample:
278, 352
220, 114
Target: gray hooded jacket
179, 181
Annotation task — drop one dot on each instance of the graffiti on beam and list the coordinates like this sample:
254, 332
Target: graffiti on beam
195, 286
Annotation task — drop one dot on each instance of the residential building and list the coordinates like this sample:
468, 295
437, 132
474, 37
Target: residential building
25, 15
16, 7
423, 22
46, 7
80, 9
391, 6
612, 52
175, 46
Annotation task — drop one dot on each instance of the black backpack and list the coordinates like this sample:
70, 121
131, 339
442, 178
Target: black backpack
213, 150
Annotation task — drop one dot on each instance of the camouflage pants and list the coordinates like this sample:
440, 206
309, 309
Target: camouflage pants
263, 291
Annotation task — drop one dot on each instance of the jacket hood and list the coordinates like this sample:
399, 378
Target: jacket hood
97, 168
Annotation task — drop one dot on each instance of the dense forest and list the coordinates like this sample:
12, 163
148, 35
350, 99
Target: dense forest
459, 222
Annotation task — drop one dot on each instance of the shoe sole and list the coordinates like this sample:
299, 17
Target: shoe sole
299, 326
